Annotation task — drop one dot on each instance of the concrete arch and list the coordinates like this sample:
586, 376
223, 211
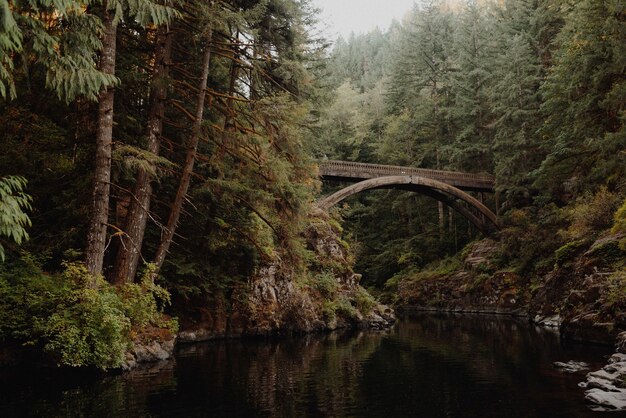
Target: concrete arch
485, 220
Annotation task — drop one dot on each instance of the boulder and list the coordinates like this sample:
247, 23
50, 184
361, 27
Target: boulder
571, 366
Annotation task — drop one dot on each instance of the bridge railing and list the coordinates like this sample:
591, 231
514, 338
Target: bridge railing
331, 166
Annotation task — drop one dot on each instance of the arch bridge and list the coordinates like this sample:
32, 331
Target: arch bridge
449, 187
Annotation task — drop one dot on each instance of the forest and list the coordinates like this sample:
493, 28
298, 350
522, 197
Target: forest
158, 165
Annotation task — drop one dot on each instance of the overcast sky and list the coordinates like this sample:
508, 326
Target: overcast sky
360, 16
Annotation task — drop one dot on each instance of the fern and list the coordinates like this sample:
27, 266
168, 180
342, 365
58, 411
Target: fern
13, 202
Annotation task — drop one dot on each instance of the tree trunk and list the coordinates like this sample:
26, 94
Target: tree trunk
131, 242
442, 218
185, 179
229, 124
96, 237
442, 221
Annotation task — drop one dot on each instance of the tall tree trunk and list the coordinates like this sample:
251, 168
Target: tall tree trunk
440, 207
192, 148
442, 221
229, 120
130, 249
96, 237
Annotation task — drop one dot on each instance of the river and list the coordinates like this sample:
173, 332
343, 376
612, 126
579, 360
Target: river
425, 366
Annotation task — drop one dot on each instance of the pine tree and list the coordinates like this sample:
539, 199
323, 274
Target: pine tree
129, 251
144, 12
191, 145
62, 38
584, 99
514, 96
471, 111
419, 86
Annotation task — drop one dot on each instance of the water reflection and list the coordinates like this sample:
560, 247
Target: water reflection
426, 366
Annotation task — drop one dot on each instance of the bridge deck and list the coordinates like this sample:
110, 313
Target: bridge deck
354, 172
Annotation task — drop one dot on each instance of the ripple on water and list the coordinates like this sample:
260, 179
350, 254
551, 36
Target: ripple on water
428, 366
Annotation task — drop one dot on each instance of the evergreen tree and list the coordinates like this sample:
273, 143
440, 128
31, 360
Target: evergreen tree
60, 37
419, 87
584, 100
145, 12
514, 96
471, 112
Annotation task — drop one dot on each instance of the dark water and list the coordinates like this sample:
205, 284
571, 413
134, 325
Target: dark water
427, 366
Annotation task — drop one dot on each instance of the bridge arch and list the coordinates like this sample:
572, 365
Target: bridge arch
483, 218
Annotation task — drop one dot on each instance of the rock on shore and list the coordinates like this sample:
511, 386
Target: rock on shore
606, 388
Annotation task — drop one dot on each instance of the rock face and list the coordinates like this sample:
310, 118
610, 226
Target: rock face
574, 296
474, 287
278, 299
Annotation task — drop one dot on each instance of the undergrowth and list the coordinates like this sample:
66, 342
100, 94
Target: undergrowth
76, 322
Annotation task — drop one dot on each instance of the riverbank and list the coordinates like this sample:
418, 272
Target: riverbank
579, 293
279, 299
578, 290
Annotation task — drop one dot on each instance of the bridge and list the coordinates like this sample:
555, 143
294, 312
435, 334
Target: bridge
449, 187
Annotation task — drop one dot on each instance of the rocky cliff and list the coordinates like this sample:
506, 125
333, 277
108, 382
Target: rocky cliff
582, 291
280, 298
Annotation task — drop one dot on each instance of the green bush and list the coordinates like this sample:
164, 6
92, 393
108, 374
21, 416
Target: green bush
345, 308
616, 292
591, 214
77, 323
364, 301
143, 303
329, 309
326, 284
27, 298
567, 252
620, 225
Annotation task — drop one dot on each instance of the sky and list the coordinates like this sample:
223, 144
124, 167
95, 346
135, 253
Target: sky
360, 16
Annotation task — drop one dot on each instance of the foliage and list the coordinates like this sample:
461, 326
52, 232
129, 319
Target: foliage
365, 302
616, 292
143, 303
582, 99
88, 327
62, 37
567, 251
326, 284
345, 308
620, 220
485, 86
591, 213
13, 202
79, 325
531, 91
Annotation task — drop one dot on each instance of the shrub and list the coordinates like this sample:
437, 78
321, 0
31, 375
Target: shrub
143, 303
567, 252
364, 301
616, 292
620, 225
326, 284
329, 311
79, 320
345, 308
27, 298
591, 213
89, 327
